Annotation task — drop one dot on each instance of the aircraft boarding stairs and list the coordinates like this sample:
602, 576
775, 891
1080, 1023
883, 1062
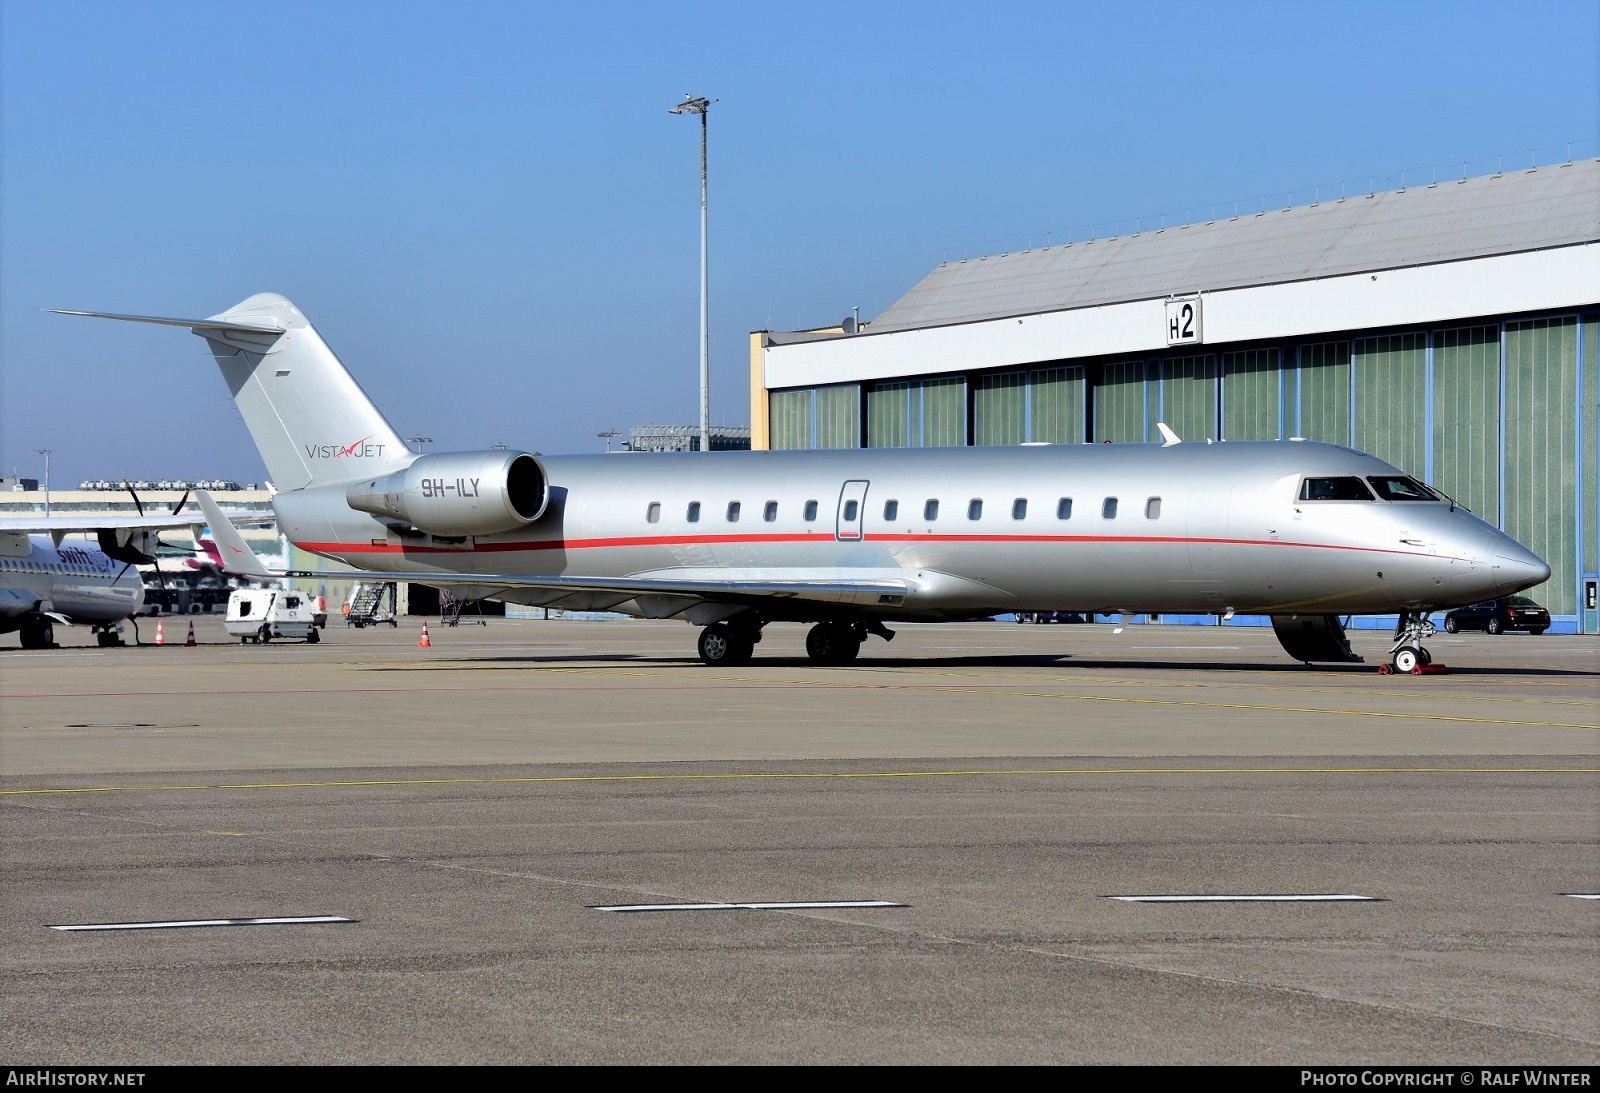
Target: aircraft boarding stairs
366, 604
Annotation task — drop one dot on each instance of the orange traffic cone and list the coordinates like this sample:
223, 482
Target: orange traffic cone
161, 638
190, 640
423, 642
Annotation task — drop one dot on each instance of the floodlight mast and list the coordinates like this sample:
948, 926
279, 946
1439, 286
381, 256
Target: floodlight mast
702, 106
46, 453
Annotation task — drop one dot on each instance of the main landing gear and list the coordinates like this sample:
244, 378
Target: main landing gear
1406, 655
723, 645
727, 644
834, 643
38, 632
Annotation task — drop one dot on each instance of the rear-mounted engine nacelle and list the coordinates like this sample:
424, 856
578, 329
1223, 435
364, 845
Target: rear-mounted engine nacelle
459, 493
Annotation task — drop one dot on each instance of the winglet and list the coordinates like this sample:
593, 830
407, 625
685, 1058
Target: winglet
237, 558
1168, 437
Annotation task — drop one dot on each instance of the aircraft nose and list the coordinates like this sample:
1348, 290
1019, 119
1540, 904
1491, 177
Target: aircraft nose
1516, 567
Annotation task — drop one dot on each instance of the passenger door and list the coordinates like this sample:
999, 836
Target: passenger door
852, 507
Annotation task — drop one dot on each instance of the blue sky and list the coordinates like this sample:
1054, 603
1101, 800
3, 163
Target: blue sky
489, 213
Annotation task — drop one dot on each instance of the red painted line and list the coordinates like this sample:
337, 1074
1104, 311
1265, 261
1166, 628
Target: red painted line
565, 544
336, 548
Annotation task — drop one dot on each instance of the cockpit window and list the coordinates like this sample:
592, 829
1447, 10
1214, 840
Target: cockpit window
1397, 487
1348, 488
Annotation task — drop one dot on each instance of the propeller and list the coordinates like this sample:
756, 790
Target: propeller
161, 577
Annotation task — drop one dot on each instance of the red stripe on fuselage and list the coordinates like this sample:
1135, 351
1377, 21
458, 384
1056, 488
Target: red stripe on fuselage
819, 537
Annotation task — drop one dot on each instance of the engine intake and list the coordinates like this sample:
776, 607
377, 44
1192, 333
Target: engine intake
459, 493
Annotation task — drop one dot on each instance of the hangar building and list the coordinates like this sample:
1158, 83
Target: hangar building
1450, 329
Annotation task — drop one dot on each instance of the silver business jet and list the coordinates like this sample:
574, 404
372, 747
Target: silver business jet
853, 541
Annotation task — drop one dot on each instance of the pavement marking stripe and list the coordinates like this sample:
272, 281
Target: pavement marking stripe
801, 906
1249, 899
1582, 895
293, 921
781, 775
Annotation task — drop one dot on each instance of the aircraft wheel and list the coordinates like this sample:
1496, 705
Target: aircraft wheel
832, 643
1424, 656
1451, 626
38, 633
1020, 617
1494, 626
1405, 660
265, 634
720, 647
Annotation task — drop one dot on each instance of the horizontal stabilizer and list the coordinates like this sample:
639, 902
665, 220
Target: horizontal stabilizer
192, 324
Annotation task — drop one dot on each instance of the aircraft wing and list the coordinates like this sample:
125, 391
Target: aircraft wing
68, 525
57, 527
869, 588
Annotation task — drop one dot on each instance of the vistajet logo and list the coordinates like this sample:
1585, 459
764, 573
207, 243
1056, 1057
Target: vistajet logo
361, 449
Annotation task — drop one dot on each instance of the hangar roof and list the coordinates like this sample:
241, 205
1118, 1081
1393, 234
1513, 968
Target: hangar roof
1516, 211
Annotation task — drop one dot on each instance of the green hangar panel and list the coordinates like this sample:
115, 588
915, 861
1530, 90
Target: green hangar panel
1452, 329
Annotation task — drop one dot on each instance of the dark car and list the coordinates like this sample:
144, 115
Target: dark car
1498, 616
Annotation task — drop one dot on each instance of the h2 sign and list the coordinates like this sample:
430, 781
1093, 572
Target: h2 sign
1183, 321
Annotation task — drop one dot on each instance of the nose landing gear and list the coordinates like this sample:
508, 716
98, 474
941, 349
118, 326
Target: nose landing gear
1406, 655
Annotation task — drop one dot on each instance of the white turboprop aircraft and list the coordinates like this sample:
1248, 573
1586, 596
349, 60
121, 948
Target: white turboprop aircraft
46, 579
852, 540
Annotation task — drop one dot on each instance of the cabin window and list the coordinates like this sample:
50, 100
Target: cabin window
811, 510
1400, 488
1019, 509
733, 512
694, 512
975, 509
891, 510
653, 513
1108, 509
851, 508
930, 511
1346, 488
770, 513
1064, 509
1152, 509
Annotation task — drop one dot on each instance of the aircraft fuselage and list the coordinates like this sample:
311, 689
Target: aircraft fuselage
972, 531
75, 582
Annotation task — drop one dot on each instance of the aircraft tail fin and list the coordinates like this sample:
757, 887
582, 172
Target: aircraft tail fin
310, 420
